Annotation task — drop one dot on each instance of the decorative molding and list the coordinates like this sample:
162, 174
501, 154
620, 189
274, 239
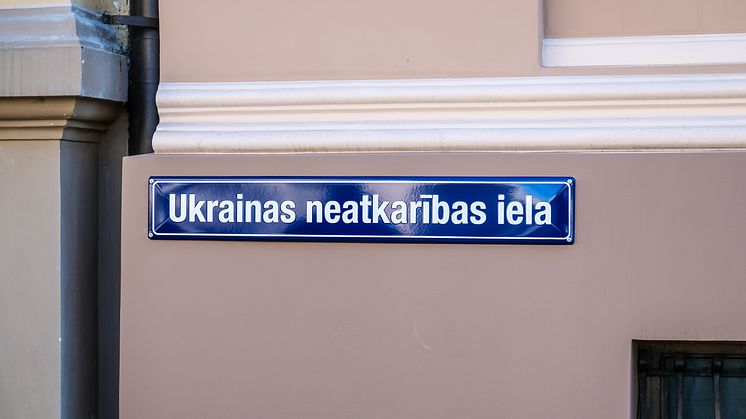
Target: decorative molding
541, 113
58, 118
60, 51
670, 50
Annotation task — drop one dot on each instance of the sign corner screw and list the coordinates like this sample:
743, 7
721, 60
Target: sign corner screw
151, 181
150, 234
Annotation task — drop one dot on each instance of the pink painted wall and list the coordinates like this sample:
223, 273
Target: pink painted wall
589, 18
239, 40
318, 330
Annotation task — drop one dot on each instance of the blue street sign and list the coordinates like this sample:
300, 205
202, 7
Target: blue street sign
538, 210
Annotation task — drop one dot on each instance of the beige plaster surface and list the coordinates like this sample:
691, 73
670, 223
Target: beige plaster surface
235, 40
592, 18
30, 279
323, 330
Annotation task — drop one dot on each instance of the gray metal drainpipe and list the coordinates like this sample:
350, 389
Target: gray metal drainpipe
144, 75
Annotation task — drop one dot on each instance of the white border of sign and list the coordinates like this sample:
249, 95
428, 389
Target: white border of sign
569, 183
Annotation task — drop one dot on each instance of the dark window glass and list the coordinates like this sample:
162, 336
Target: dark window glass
691, 380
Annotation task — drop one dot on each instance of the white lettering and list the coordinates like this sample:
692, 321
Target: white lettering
460, 213
399, 215
350, 212
501, 209
288, 215
271, 213
226, 215
312, 206
543, 214
365, 205
256, 214
515, 208
379, 210
437, 207
331, 212
479, 216
172, 208
195, 209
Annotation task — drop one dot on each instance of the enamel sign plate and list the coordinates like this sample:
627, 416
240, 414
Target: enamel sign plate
364, 209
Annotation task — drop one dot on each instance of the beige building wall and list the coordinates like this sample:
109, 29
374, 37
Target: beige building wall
234, 40
338, 39
592, 18
322, 330
247, 329
30, 257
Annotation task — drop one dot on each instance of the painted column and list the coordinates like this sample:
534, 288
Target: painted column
62, 82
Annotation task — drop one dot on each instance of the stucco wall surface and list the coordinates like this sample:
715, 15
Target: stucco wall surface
235, 40
30, 361
322, 330
590, 18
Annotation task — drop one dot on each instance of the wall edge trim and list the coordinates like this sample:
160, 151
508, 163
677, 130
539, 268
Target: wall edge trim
666, 50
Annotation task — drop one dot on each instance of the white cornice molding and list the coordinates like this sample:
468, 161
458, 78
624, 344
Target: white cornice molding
671, 50
540, 113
